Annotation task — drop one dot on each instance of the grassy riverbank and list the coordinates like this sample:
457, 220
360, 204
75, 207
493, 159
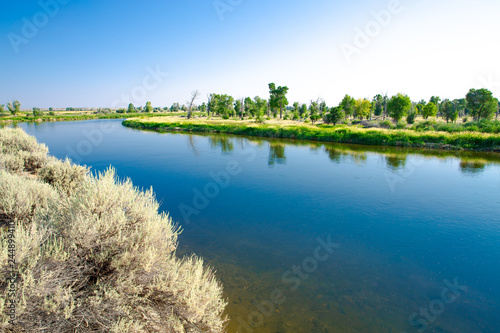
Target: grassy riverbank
326, 133
72, 116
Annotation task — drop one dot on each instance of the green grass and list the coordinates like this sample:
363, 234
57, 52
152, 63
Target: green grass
325, 133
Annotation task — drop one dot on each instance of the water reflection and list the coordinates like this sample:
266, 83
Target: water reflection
224, 142
276, 154
472, 167
395, 161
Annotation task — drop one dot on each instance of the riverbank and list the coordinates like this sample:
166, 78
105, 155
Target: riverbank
78, 116
326, 133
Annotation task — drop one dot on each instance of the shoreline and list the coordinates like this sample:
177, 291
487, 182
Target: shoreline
470, 141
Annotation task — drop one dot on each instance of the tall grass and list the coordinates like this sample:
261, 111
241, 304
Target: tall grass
339, 133
94, 255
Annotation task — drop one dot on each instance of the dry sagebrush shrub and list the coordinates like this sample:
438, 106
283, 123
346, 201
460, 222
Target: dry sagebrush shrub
22, 198
64, 176
101, 259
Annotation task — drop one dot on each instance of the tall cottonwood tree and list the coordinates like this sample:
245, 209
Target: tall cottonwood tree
278, 97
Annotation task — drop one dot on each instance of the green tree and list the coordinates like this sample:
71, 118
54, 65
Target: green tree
175, 107
348, 104
362, 108
303, 110
429, 110
398, 106
131, 108
378, 105
148, 108
51, 109
420, 107
37, 112
14, 107
249, 107
203, 107
259, 108
314, 112
238, 107
449, 111
278, 98
481, 103
335, 115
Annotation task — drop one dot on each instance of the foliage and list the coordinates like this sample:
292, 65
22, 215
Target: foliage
410, 119
348, 104
398, 106
362, 108
335, 115
429, 110
371, 136
148, 108
449, 111
278, 98
481, 103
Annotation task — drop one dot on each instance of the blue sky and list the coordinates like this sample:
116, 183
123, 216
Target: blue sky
102, 53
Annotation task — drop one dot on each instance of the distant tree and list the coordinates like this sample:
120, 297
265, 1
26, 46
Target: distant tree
420, 107
2, 108
260, 106
314, 111
51, 109
296, 111
362, 108
248, 106
323, 109
429, 110
436, 100
148, 108
203, 107
175, 107
378, 105
335, 115
481, 103
131, 108
14, 107
449, 111
238, 107
348, 104
303, 110
37, 112
398, 106
278, 98
194, 95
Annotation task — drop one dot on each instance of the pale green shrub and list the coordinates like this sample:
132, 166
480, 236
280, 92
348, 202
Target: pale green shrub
21, 198
13, 140
64, 176
11, 163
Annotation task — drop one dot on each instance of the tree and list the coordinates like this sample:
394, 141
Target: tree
238, 107
303, 110
194, 95
429, 110
203, 107
14, 107
51, 109
37, 112
249, 107
314, 112
449, 111
148, 108
362, 108
378, 105
398, 106
259, 108
335, 115
348, 104
175, 107
481, 103
420, 107
278, 97
2, 108
131, 108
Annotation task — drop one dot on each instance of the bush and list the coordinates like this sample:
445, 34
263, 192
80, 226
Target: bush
410, 119
401, 124
96, 256
386, 124
52, 113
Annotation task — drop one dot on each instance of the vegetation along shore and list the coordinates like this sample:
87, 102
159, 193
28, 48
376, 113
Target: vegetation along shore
422, 136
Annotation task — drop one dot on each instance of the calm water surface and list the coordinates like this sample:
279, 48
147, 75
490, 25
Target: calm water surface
414, 236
